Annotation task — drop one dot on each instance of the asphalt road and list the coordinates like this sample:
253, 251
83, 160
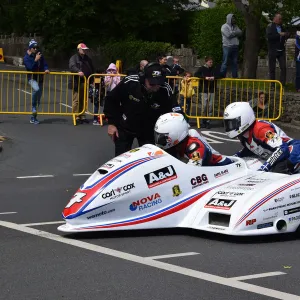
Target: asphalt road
38, 262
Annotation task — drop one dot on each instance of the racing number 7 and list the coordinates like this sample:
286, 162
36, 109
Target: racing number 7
76, 199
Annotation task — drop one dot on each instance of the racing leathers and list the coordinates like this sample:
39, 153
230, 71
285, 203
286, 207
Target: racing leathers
270, 143
134, 111
199, 153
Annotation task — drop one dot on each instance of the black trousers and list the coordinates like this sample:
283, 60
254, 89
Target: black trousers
124, 142
281, 57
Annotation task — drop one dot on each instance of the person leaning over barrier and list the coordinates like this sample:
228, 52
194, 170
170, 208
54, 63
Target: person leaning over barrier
34, 62
81, 64
135, 104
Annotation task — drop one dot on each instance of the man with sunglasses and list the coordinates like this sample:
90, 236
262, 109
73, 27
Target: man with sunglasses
135, 104
34, 61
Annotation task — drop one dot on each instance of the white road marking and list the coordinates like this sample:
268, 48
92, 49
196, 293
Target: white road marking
87, 112
43, 223
24, 91
66, 105
254, 276
172, 255
82, 174
36, 176
8, 213
214, 134
154, 263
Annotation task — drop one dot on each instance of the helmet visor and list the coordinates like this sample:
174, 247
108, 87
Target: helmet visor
161, 139
232, 124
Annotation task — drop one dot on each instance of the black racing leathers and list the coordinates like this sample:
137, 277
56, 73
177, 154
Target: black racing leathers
131, 108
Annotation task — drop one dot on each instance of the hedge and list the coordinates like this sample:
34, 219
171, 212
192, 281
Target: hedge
205, 35
131, 52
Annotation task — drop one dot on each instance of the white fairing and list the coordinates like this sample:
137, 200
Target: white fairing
147, 188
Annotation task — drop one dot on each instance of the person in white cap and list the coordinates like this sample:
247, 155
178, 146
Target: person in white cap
81, 64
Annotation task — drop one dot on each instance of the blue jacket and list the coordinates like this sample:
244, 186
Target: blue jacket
35, 66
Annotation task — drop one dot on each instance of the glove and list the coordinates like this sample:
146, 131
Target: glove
197, 163
237, 154
265, 167
177, 109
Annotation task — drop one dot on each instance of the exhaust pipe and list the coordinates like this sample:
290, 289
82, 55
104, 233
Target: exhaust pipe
281, 225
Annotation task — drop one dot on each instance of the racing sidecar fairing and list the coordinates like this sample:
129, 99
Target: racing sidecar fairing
147, 188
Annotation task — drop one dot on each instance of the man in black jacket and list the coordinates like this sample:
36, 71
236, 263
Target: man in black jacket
207, 88
82, 64
277, 37
135, 104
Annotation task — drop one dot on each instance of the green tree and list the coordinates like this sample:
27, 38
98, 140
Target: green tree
252, 12
63, 24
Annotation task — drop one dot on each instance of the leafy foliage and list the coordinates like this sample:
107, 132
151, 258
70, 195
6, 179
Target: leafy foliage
206, 35
132, 51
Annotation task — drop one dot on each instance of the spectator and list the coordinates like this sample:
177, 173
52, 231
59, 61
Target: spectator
34, 62
176, 69
297, 57
137, 70
96, 96
277, 37
133, 107
111, 81
260, 106
187, 91
207, 87
82, 64
162, 60
230, 37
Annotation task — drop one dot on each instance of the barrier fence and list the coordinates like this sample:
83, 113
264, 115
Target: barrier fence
68, 94
207, 100
56, 93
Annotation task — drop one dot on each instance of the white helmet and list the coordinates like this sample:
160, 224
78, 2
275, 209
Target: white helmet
238, 117
170, 129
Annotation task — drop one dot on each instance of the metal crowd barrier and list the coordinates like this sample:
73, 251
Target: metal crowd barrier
212, 97
61, 95
59, 92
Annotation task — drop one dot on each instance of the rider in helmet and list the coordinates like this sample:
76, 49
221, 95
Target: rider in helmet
264, 139
172, 133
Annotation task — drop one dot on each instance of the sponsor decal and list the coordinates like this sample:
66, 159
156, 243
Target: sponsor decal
196, 156
116, 160
270, 135
134, 99
294, 219
220, 203
246, 184
278, 199
77, 198
238, 165
160, 176
265, 225
156, 153
294, 195
282, 206
256, 180
199, 180
146, 202
230, 194
244, 188
102, 213
176, 190
215, 228
250, 222
107, 166
292, 211
134, 150
125, 155
118, 192
222, 173
272, 217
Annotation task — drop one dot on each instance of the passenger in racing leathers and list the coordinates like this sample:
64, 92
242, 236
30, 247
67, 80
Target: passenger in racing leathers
172, 133
264, 139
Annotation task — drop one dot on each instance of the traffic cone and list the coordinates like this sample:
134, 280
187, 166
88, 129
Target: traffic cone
1, 55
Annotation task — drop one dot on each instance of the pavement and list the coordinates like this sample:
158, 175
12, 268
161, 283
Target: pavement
42, 166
